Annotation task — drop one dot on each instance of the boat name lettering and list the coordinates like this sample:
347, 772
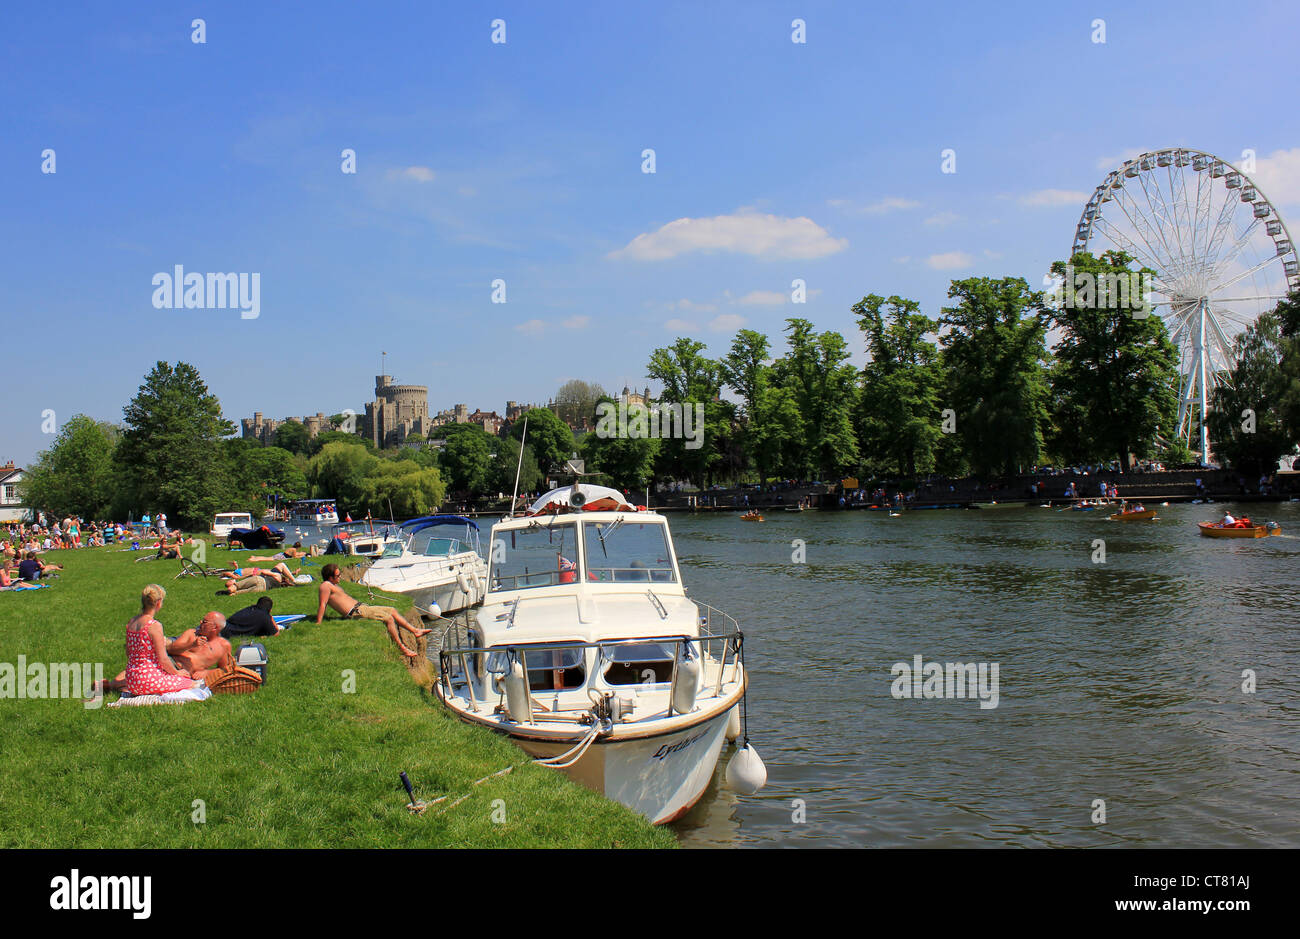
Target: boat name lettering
667, 750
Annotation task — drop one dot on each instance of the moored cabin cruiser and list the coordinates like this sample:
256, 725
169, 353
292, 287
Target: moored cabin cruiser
367, 538
589, 655
313, 512
435, 562
224, 522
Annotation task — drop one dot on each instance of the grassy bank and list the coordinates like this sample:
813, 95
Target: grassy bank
299, 763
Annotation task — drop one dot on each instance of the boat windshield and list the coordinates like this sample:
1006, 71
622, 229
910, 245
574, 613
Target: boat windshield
392, 550
628, 552
443, 547
522, 558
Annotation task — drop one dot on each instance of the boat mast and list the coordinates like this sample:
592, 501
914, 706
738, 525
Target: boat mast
519, 467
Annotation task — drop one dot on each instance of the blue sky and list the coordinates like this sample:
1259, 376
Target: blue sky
523, 161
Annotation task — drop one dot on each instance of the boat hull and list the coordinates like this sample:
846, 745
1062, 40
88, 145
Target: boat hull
1210, 530
1145, 515
660, 776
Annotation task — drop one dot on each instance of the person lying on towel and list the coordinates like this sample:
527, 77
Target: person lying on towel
258, 579
253, 620
332, 595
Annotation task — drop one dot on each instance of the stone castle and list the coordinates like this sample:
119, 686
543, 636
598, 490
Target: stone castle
398, 412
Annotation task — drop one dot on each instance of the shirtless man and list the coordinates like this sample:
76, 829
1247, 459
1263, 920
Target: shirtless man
295, 552
197, 652
332, 595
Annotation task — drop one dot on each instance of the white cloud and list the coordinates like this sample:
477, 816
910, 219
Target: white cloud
726, 322
1041, 198
532, 327
948, 261
681, 326
1112, 162
762, 236
1278, 175
762, 298
690, 306
576, 322
879, 207
420, 174
993, 255
943, 219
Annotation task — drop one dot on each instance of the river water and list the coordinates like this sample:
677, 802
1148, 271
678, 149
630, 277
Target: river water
1118, 681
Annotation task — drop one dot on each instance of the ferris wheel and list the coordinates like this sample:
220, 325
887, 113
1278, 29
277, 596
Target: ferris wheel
1221, 252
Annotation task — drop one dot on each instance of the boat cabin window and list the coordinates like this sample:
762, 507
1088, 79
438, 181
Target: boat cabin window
392, 550
628, 552
555, 669
541, 556
442, 547
640, 663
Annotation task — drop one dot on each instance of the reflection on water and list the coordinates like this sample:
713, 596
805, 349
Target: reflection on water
1118, 681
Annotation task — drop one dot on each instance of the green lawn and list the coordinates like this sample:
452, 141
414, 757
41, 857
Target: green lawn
299, 763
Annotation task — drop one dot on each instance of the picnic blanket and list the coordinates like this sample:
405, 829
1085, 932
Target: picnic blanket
199, 692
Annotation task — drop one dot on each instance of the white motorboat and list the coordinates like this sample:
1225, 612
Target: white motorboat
224, 522
437, 572
589, 655
368, 538
313, 512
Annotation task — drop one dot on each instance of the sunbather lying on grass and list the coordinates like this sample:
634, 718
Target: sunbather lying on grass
257, 579
295, 552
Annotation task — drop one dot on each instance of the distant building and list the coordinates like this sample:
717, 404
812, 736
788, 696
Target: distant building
263, 429
11, 503
398, 412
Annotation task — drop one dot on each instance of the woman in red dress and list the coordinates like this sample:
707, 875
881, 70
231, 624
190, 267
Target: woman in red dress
148, 669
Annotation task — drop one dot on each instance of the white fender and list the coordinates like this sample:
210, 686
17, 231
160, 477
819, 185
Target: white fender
733, 724
463, 581
686, 684
746, 773
521, 708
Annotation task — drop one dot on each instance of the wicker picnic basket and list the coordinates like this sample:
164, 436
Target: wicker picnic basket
234, 680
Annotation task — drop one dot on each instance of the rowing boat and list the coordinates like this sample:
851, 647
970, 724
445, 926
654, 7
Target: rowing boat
1215, 530
1133, 516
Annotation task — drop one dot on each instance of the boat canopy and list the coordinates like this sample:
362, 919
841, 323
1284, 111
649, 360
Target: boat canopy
591, 499
429, 521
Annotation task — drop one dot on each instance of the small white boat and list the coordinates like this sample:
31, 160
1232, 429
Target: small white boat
313, 512
437, 572
589, 655
223, 522
368, 538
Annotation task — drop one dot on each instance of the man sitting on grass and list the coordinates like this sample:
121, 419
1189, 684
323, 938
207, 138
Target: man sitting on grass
258, 579
331, 594
33, 567
255, 620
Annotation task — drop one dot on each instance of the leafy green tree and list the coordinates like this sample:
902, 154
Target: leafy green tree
318, 443
403, 488
75, 476
899, 415
817, 373
171, 457
746, 371
293, 436
550, 438
501, 475
1288, 315
339, 472
264, 474
1245, 417
467, 458
575, 402
1115, 376
995, 356
627, 462
689, 378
